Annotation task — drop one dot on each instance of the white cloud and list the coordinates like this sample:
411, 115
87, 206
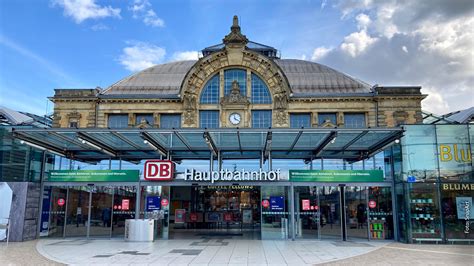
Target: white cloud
320, 52
99, 27
420, 43
81, 10
357, 42
141, 9
185, 55
435, 102
363, 21
140, 55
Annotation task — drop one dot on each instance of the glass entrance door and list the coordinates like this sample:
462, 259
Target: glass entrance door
356, 212
77, 211
330, 208
101, 211
307, 215
125, 198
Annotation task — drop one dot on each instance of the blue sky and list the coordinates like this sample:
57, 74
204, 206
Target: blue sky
88, 43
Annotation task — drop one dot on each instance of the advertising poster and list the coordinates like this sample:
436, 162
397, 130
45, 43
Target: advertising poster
305, 205
277, 203
247, 216
153, 203
125, 204
464, 206
179, 216
46, 210
213, 217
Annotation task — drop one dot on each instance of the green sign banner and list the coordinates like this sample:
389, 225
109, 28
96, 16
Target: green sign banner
336, 175
93, 176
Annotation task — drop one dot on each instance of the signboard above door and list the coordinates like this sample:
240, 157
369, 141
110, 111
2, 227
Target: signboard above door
93, 176
336, 175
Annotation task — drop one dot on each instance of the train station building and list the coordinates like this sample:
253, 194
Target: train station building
243, 143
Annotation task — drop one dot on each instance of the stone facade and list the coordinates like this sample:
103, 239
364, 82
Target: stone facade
382, 106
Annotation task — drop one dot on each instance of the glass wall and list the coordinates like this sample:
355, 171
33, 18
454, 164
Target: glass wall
275, 209
436, 185
20, 162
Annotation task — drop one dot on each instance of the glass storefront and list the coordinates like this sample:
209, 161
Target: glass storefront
436, 186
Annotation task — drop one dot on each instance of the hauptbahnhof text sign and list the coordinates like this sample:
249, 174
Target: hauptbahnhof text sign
336, 175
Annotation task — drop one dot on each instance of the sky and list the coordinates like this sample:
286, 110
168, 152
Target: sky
49, 44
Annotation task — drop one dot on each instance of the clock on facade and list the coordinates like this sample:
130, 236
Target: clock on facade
234, 118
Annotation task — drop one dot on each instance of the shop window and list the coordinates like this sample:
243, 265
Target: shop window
380, 213
238, 75
209, 119
260, 92
327, 119
354, 120
210, 93
117, 121
170, 121
144, 119
424, 212
455, 158
300, 120
261, 118
458, 215
419, 153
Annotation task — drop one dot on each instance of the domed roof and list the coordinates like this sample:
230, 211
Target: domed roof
311, 78
164, 79
305, 78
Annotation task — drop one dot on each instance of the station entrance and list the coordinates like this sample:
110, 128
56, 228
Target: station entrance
203, 211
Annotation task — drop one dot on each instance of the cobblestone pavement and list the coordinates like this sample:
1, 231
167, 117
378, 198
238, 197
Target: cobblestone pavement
252, 252
22, 253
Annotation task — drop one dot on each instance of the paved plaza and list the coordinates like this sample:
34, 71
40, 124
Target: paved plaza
227, 251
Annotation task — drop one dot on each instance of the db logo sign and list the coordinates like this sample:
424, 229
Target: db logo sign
159, 170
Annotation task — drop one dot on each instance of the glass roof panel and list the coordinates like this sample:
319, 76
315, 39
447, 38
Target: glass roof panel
225, 140
110, 140
253, 140
369, 139
342, 139
283, 141
310, 140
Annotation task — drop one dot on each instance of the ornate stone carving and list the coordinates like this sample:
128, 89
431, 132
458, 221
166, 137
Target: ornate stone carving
189, 104
281, 118
143, 124
234, 97
281, 100
74, 115
235, 37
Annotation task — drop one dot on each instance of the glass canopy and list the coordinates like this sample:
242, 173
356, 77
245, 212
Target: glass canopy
93, 144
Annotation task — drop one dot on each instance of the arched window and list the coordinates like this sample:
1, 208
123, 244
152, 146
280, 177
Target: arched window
260, 92
210, 93
240, 76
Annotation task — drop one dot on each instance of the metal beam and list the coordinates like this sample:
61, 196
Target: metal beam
330, 137
39, 144
210, 142
294, 142
185, 142
354, 140
268, 144
124, 139
86, 139
150, 140
381, 145
240, 143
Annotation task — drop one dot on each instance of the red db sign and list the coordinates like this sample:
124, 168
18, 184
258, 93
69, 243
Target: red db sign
159, 170
61, 202
372, 204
